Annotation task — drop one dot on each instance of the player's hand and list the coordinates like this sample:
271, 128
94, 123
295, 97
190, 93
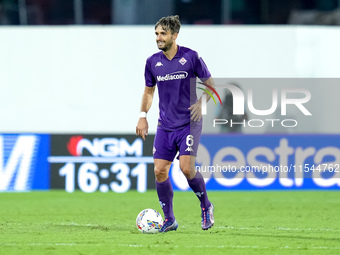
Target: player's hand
142, 128
196, 111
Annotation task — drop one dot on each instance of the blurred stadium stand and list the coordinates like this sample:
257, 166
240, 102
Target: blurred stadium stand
101, 12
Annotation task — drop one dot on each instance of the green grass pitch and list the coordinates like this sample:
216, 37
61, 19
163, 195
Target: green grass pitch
280, 222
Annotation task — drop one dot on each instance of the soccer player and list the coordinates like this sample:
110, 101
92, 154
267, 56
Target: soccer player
180, 118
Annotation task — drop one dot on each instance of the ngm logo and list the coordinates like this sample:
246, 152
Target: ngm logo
104, 147
17, 155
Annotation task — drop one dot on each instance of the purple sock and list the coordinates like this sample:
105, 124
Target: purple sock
165, 195
197, 184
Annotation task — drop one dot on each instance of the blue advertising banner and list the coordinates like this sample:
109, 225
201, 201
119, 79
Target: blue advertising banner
228, 162
23, 162
242, 162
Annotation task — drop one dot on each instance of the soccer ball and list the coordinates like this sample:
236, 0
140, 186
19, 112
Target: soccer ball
149, 221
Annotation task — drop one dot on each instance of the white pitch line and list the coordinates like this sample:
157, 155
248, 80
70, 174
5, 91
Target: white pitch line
39, 244
280, 228
242, 228
227, 246
309, 229
77, 224
175, 246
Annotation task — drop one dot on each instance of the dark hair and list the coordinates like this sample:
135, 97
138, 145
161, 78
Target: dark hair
169, 22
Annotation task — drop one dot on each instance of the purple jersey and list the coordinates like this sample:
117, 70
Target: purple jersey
176, 86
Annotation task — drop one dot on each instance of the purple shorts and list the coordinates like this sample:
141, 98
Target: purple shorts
168, 143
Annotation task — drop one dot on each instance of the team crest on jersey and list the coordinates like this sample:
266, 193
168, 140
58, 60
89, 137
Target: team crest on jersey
182, 61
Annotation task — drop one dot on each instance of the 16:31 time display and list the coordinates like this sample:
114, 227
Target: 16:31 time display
89, 177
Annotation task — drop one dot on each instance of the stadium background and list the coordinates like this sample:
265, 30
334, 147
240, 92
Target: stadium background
73, 174
82, 85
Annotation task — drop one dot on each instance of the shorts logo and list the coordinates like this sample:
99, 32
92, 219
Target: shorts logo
153, 150
182, 61
189, 149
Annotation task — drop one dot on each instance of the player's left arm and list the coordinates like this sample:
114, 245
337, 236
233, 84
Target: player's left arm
196, 109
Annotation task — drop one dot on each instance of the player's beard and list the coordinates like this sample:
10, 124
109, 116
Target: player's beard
167, 45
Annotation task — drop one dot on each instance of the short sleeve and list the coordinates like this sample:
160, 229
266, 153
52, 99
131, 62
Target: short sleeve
149, 78
201, 70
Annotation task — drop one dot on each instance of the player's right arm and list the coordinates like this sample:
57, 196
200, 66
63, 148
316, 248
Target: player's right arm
142, 125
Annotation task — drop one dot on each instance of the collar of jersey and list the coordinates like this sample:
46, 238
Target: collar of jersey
176, 56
